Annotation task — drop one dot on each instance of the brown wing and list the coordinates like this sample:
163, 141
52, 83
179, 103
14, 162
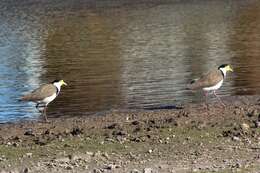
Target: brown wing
207, 80
40, 93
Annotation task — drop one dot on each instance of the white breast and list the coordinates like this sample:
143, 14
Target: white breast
47, 100
215, 87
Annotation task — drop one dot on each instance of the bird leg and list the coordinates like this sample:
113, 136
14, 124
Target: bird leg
44, 113
222, 103
206, 100
37, 107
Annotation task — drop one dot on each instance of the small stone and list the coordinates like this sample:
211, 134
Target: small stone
76, 131
29, 155
248, 141
150, 151
161, 167
66, 131
97, 154
194, 162
173, 171
71, 156
105, 155
235, 138
111, 167
69, 167
195, 170
257, 124
29, 132
237, 112
135, 171
254, 112
237, 165
147, 170
245, 127
26, 170
225, 161
40, 141
62, 160
135, 123
15, 144
89, 153
97, 171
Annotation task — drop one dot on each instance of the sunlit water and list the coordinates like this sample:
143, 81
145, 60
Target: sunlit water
123, 54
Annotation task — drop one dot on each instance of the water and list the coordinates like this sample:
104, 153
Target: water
123, 54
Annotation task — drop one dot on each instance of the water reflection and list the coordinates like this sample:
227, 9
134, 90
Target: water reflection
85, 52
123, 54
21, 66
246, 44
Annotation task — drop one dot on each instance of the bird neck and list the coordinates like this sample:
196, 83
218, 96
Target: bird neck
58, 86
223, 72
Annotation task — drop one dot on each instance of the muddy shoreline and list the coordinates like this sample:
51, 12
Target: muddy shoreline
191, 139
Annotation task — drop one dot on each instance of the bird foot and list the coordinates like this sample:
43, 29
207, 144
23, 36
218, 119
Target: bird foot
206, 106
223, 105
44, 121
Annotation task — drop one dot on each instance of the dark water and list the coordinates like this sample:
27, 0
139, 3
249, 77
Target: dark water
123, 54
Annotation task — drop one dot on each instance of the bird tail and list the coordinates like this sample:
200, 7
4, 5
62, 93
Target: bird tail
192, 85
24, 98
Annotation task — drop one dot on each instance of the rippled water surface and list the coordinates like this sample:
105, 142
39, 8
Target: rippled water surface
123, 54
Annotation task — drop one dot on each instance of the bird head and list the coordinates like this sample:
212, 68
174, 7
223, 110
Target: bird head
225, 68
59, 82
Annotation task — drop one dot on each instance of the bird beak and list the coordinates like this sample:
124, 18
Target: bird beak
63, 83
229, 69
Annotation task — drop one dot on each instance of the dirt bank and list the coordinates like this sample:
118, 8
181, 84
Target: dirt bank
190, 139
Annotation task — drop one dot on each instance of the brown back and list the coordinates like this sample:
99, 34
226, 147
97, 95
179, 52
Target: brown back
40, 93
207, 80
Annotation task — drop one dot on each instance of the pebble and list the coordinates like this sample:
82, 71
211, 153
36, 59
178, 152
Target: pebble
109, 167
69, 167
98, 170
105, 155
237, 165
26, 170
89, 153
28, 155
245, 127
254, 113
195, 170
97, 154
63, 160
237, 112
135, 171
15, 144
148, 170
257, 124
235, 138
29, 132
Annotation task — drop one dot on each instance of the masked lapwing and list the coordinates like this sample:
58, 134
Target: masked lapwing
211, 81
44, 95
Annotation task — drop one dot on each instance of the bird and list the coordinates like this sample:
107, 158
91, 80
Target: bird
211, 81
43, 95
